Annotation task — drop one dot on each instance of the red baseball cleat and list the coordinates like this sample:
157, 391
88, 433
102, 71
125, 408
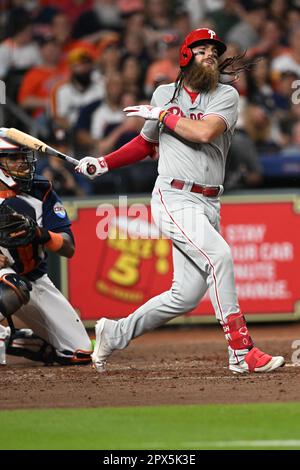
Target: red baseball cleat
257, 361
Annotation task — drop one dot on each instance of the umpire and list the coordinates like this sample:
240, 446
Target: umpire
32, 222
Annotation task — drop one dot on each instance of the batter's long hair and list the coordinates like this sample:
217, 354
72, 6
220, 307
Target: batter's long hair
231, 66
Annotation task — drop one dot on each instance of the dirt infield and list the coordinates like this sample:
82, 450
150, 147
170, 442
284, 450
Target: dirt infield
169, 366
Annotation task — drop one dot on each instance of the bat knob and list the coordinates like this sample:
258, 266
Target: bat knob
91, 169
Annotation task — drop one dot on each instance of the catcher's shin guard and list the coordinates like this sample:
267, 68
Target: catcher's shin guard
25, 343
14, 292
78, 357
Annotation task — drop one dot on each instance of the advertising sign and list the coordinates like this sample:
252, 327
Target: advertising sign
116, 268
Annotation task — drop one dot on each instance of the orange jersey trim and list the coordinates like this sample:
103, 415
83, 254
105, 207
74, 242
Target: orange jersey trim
7, 193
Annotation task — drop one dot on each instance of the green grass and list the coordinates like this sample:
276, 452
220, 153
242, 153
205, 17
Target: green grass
193, 427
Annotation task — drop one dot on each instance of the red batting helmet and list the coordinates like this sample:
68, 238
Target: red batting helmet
198, 36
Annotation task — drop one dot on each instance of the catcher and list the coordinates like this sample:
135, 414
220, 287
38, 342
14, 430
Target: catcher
32, 222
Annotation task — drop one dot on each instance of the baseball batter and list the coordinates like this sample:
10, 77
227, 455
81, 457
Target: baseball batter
33, 221
192, 121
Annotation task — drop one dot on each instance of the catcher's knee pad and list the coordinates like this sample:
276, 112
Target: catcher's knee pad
14, 292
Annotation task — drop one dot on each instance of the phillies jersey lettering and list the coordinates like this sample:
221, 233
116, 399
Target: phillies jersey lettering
202, 163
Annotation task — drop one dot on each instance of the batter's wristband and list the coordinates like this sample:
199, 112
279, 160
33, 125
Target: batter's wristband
170, 120
162, 115
55, 243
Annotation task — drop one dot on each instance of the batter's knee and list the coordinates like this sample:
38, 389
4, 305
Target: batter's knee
14, 292
183, 302
228, 253
227, 259
223, 255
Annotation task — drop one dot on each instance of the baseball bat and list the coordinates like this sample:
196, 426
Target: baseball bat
35, 144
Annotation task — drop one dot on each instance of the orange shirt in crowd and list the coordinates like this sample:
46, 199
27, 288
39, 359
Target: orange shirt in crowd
38, 82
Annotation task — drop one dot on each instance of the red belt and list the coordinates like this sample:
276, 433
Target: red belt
207, 191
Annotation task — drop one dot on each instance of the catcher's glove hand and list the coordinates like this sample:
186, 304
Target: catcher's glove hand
15, 229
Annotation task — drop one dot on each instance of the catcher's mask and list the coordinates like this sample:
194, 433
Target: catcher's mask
17, 165
195, 37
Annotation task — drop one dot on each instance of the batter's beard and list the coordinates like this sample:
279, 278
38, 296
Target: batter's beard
202, 78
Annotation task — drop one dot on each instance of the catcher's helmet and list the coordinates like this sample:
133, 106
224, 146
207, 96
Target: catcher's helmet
198, 36
18, 175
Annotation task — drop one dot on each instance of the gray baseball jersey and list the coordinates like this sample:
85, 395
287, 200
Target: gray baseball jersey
203, 163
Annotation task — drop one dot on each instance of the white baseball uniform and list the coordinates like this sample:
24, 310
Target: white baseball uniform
48, 313
52, 317
202, 258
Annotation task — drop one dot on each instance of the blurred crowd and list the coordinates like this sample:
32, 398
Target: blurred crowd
71, 66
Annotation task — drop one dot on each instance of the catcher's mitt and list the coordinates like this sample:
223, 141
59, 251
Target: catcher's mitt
15, 229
